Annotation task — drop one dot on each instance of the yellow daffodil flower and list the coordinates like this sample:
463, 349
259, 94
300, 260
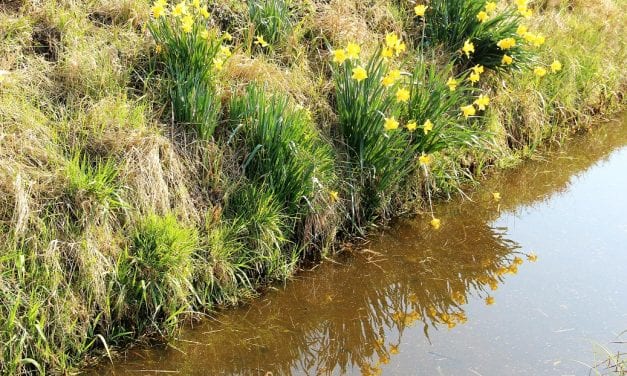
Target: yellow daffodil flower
260, 41
179, 9
391, 40
468, 110
402, 95
359, 74
395, 74
427, 126
525, 12
490, 6
225, 51
187, 24
474, 77
400, 48
506, 44
539, 71
478, 69
227, 36
339, 56
353, 50
556, 66
196, 4
468, 48
482, 101
387, 81
390, 124
158, 48
334, 196
411, 126
507, 60
521, 30
157, 11
452, 84
424, 159
435, 223
420, 10
482, 16
205, 14
218, 64
387, 52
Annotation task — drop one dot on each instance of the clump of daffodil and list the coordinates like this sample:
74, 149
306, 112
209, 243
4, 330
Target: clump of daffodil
359, 74
468, 110
468, 47
420, 10
260, 41
390, 123
482, 101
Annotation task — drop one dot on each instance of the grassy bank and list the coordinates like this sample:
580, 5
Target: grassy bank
158, 160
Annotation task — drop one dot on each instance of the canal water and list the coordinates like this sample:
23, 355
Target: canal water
526, 285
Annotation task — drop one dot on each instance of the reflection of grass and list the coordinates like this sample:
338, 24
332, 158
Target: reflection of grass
608, 362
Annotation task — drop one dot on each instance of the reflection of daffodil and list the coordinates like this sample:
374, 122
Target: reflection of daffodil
532, 257
393, 349
435, 223
496, 196
518, 260
489, 300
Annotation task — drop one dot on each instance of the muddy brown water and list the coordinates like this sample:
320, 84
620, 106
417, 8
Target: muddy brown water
462, 300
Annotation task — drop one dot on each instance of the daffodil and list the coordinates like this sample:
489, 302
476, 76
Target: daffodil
468, 47
218, 64
158, 48
482, 16
525, 12
390, 124
489, 300
435, 223
420, 10
521, 30
521, 3
400, 48
424, 159
187, 24
482, 101
395, 74
538, 40
196, 4
506, 43
468, 110
179, 9
507, 60
490, 6
474, 77
359, 74
496, 196
205, 14
157, 10
556, 66
539, 71
411, 126
334, 196
260, 41
402, 95
387, 81
353, 50
227, 36
478, 69
387, 52
451, 83
391, 39
204, 34
225, 51
339, 56
427, 126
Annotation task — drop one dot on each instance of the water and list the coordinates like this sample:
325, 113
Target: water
456, 301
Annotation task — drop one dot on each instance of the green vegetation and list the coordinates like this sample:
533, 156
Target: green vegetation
117, 221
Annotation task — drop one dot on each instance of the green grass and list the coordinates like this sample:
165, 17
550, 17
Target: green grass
116, 221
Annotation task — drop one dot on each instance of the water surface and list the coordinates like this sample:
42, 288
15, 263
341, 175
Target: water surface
463, 300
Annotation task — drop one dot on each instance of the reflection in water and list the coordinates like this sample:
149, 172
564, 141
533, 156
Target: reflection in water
350, 315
